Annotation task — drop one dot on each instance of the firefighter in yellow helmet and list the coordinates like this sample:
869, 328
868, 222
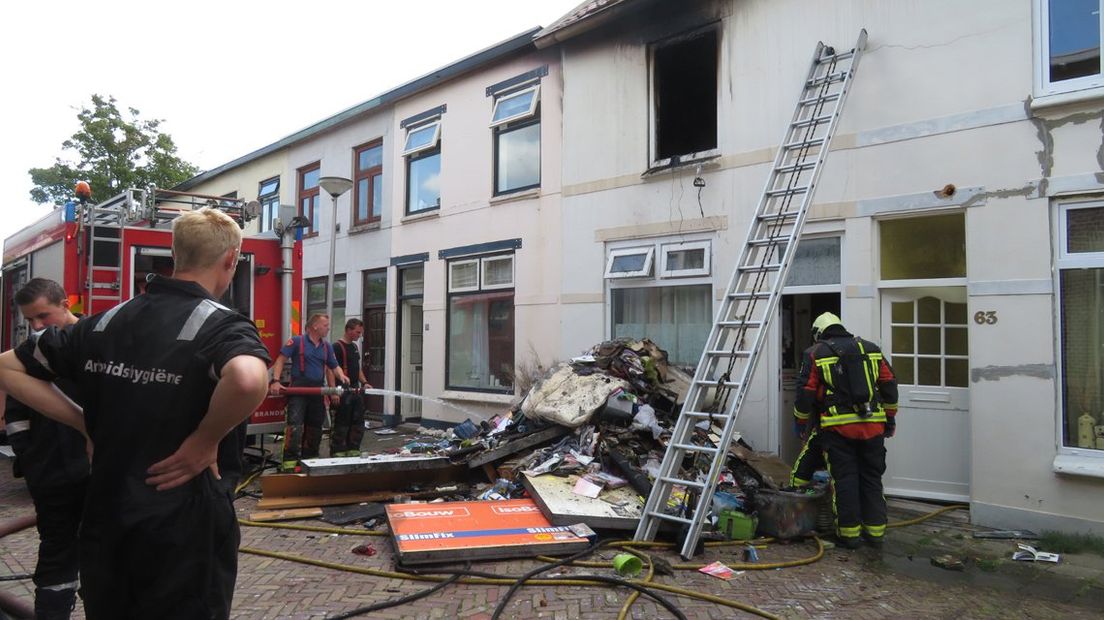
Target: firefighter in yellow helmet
846, 381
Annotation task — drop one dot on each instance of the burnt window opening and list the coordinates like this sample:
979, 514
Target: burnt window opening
686, 95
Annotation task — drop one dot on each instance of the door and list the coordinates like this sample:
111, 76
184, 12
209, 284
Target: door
410, 330
375, 335
796, 315
924, 334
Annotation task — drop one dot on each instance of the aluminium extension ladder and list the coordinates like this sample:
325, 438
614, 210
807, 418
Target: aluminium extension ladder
727, 363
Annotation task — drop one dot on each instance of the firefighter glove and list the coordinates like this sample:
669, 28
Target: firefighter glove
890, 427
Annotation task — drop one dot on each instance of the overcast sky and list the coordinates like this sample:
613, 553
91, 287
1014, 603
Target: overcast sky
226, 76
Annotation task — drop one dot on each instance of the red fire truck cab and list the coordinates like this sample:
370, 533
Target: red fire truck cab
103, 253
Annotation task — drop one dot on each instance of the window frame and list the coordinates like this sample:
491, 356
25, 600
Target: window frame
483, 261
368, 174
704, 271
270, 202
434, 142
313, 193
504, 96
452, 293
1041, 40
1093, 462
503, 130
645, 272
654, 160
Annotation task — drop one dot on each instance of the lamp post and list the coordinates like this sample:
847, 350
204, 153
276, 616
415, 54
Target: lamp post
334, 186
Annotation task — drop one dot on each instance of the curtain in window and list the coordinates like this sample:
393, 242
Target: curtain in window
676, 318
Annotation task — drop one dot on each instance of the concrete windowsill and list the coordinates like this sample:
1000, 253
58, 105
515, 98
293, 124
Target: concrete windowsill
363, 228
478, 397
1080, 465
1060, 99
421, 216
524, 194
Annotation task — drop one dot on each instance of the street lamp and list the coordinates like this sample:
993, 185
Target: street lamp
334, 186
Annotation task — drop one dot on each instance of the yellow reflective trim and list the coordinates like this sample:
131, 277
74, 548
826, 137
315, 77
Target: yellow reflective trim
874, 530
850, 532
799, 415
851, 418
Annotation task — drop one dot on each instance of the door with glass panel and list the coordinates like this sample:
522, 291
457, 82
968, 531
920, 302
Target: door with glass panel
924, 335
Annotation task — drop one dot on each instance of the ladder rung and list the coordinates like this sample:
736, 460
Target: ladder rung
667, 517
708, 383
841, 55
788, 191
801, 144
748, 295
689, 447
759, 243
704, 416
807, 165
761, 268
113, 269
736, 323
688, 483
783, 215
816, 120
819, 99
829, 78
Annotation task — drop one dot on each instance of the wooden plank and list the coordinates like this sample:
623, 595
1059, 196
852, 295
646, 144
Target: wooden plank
517, 445
265, 516
288, 485
372, 464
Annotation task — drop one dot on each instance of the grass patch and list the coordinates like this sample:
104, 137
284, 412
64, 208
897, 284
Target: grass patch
1061, 542
988, 565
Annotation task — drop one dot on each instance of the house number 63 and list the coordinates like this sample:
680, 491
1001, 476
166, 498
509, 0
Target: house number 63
985, 317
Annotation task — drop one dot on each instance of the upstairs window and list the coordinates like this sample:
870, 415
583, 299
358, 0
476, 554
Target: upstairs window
1069, 42
684, 97
268, 194
368, 187
515, 121
308, 194
422, 149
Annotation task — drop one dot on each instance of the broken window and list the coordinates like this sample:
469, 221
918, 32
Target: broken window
685, 96
1070, 41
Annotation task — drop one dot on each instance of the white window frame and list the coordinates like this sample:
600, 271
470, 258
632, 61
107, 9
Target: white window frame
645, 272
1070, 459
1041, 41
432, 144
483, 262
452, 287
499, 99
668, 248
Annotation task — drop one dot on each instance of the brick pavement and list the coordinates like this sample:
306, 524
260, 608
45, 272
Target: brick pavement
863, 584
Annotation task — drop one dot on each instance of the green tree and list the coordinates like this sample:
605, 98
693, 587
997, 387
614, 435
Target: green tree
113, 153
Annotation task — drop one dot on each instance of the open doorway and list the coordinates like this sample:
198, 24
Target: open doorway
796, 320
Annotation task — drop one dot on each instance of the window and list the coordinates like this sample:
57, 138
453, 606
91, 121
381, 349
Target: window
268, 194
676, 318
423, 167
671, 304
928, 342
816, 262
308, 193
681, 260
1081, 310
684, 97
515, 120
481, 324
368, 188
630, 263
1069, 42
942, 255
316, 302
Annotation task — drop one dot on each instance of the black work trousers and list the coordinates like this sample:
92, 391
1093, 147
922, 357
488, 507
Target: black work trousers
59, 509
177, 559
348, 426
856, 467
305, 417
809, 460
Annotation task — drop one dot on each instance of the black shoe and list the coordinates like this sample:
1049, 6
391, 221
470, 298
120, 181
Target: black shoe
875, 541
848, 542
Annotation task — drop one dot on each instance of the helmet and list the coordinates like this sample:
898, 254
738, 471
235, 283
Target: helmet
823, 322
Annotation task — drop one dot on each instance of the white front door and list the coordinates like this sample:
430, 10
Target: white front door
924, 334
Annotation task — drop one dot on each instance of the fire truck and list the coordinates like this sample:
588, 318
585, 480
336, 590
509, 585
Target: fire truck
103, 253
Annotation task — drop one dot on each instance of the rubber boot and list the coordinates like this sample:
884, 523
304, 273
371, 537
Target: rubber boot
288, 467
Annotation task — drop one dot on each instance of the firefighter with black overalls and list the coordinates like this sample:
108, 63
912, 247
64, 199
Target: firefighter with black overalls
348, 426
168, 378
312, 355
54, 461
848, 381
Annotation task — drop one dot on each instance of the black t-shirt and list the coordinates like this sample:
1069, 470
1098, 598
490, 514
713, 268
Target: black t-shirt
348, 357
146, 370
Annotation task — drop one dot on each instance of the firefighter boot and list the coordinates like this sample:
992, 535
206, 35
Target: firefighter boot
54, 604
288, 467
